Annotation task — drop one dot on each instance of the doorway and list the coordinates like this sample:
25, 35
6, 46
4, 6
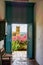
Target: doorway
20, 12
19, 41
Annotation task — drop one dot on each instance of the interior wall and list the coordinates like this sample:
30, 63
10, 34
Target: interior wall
39, 27
2, 16
39, 32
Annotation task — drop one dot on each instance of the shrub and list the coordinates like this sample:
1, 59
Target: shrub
15, 45
19, 45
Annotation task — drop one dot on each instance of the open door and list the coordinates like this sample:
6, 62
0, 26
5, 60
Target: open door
8, 39
30, 41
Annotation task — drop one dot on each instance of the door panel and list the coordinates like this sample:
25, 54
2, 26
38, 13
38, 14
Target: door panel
30, 48
8, 39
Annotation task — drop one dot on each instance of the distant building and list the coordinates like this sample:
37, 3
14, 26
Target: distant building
17, 33
17, 30
14, 33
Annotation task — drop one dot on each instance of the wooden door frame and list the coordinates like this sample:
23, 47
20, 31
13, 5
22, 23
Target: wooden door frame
31, 20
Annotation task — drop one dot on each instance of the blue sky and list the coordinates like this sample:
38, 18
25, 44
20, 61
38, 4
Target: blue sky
23, 27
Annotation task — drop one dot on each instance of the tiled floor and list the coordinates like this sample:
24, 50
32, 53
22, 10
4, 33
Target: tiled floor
19, 54
20, 58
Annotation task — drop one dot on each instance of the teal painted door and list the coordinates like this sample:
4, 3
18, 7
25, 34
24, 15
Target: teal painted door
30, 41
30, 21
8, 36
8, 39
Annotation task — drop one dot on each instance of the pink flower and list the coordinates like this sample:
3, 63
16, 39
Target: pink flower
20, 38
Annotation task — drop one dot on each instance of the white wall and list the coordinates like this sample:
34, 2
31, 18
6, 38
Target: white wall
1, 44
39, 32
